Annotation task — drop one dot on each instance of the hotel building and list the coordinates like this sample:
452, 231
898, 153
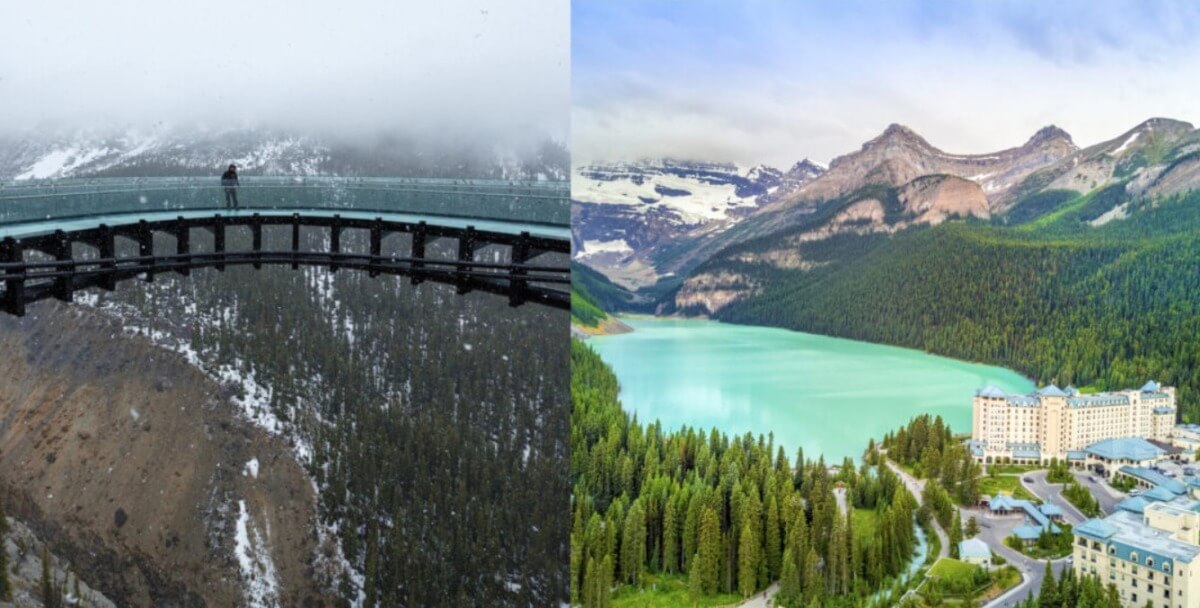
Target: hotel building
1064, 423
1149, 548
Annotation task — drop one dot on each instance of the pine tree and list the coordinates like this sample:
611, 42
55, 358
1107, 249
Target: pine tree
47, 581
606, 582
591, 583
371, 567
633, 544
972, 527
772, 540
811, 579
706, 570
836, 558
1048, 596
747, 560
670, 539
789, 579
956, 534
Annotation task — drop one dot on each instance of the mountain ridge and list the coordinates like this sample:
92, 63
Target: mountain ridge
263, 151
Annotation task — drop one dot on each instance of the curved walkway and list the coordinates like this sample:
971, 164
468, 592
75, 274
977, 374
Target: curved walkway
916, 487
90, 221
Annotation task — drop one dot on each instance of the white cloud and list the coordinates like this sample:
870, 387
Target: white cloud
475, 68
775, 82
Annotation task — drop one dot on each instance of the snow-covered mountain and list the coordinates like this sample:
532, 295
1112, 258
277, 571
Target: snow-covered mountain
696, 192
623, 213
179, 151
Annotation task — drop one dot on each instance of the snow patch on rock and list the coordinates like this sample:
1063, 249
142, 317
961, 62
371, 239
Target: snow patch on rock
254, 561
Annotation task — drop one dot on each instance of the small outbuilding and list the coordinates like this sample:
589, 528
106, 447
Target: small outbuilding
975, 551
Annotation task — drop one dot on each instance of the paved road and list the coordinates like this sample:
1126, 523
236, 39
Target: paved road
915, 487
1103, 492
762, 599
993, 530
1052, 493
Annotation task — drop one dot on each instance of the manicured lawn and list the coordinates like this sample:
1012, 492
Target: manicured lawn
1006, 484
667, 591
1013, 469
950, 569
955, 574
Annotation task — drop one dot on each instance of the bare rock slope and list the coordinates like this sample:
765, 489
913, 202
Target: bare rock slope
131, 465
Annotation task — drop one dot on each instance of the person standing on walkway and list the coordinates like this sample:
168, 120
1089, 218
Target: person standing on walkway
229, 181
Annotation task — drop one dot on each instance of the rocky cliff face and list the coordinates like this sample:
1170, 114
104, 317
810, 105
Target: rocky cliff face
928, 200
1144, 155
132, 465
899, 155
25, 553
895, 181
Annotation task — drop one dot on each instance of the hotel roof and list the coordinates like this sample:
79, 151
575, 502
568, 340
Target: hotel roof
1155, 478
1133, 449
1027, 532
1051, 510
991, 391
1051, 390
1150, 390
1126, 533
1160, 493
1001, 502
1137, 504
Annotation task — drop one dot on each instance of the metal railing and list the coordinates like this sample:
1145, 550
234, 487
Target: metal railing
520, 278
528, 202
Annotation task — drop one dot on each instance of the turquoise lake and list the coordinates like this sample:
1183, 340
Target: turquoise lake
827, 395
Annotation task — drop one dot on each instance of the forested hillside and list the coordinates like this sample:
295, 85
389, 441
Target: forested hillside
713, 516
604, 293
433, 425
1058, 298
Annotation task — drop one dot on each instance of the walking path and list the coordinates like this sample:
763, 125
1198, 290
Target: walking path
763, 599
916, 487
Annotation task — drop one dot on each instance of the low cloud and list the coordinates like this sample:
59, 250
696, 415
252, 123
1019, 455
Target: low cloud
470, 70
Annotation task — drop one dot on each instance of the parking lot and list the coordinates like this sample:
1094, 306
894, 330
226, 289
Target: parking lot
1176, 470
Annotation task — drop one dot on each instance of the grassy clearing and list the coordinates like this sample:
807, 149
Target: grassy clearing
950, 569
667, 591
865, 522
1004, 484
1012, 469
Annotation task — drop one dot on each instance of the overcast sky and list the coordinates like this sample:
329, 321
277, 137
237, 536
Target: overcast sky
757, 81
495, 70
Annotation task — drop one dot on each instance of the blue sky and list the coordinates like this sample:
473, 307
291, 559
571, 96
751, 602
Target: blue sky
759, 81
